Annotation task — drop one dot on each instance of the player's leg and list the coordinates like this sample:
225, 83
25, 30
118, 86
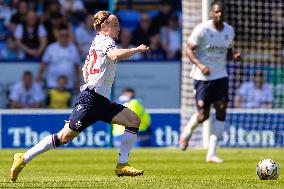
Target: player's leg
131, 122
203, 102
47, 143
78, 121
216, 132
220, 104
51, 142
195, 120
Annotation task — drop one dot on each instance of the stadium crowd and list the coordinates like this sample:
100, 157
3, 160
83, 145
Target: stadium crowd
28, 28
58, 34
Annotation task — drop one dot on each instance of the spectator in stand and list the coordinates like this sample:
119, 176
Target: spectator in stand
26, 93
163, 16
10, 51
255, 94
72, 5
13, 4
74, 9
5, 16
61, 58
171, 38
125, 37
31, 36
53, 25
277, 21
49, 8
142, 33
157, 52
59, 97
36, 5
128, 98
20, 16
84, 33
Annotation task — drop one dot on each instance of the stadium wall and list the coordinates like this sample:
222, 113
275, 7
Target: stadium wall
157, 83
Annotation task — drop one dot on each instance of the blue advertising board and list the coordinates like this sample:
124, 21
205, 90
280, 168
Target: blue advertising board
261, 128
25, 130
165, 129
243, 129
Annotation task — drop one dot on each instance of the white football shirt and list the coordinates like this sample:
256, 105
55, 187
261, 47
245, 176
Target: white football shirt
61, 61
212, 47
101, 69
23, 96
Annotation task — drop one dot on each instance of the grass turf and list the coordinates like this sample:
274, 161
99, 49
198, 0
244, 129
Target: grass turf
164, 168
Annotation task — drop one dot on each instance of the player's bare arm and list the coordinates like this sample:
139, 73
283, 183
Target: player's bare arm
78, 76
122, 54
193, 58
41, 71
85, 72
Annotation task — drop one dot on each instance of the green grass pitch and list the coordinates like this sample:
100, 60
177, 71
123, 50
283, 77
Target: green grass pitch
164, 168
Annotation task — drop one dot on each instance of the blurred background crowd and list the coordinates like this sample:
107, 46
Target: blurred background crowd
58, 33
28, 28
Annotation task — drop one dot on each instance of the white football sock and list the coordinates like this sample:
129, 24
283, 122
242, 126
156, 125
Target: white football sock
216, 135
190, 127
127, 142
213, 141
47, 143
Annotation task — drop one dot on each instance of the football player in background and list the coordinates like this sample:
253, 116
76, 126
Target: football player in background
208, 48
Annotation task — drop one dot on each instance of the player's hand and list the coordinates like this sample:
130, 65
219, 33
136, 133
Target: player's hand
237, 56
204, 69
143, 48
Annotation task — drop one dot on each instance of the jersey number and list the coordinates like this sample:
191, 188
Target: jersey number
94, 56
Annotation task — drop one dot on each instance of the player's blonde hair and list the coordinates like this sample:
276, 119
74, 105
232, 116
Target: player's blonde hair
99, 18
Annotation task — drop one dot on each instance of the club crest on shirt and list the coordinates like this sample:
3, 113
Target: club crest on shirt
78, 124
200, 103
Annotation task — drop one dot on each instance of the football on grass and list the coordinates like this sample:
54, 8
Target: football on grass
267, 169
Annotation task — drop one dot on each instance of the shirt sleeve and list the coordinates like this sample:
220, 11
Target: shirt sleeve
76, 55
39, 95
47, 55
196, 35
243, 89
269, 93
19, 31
233, 36
108, 44
41, 31
14, 94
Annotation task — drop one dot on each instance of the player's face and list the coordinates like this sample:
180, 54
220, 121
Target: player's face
218, 14
113, 27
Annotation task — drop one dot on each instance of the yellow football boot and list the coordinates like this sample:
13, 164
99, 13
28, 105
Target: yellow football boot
17, 166
124, 169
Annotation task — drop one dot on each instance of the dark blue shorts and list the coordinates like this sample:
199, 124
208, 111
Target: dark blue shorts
91, 107
208, 92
